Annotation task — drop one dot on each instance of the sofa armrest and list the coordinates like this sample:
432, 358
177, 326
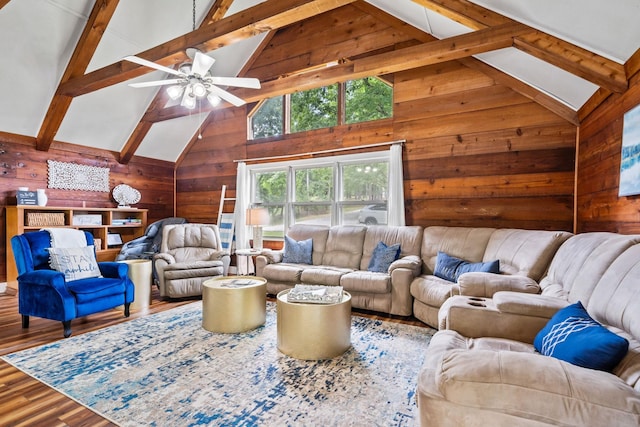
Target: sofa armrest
548, 390
117, 270
487, 284
411, 262
270, 256
528, 304
167, 258
51, 278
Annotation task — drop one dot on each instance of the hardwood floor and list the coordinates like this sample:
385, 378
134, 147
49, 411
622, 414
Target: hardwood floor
27, 402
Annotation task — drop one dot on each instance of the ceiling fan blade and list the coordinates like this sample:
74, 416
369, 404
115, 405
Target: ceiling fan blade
157, 83
202, 63
226, 96
150, 64
237, 82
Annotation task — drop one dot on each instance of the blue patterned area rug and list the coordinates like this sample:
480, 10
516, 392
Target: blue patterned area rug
166, 370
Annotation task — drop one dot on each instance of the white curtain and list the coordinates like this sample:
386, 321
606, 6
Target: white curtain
395, 203
244, 263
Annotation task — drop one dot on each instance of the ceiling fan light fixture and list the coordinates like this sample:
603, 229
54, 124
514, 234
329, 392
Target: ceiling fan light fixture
214, 99
188, 100
198, 89
175, 91
185, 68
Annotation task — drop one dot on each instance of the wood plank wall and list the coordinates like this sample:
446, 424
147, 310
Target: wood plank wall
598, 206
22, 165
477, 153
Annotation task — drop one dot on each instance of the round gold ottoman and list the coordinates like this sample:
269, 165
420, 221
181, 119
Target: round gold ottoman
232, 304
313, 331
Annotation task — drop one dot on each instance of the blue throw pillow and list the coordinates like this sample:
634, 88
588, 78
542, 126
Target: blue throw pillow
573, 336
297, 252
383, 256
450, 268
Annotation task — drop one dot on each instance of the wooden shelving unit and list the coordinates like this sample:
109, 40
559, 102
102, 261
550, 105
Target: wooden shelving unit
129, 223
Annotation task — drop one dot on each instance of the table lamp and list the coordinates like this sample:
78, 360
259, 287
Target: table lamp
257, 217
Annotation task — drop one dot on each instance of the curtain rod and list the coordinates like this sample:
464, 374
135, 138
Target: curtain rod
313, 153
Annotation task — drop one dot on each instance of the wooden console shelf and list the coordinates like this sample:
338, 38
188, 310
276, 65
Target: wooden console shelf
129, 223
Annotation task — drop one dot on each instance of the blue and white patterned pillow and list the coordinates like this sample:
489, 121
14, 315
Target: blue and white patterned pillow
74, 263
573, 336
297, 252
383, 256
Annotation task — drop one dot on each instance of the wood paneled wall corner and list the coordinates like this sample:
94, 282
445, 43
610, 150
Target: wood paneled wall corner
599, 208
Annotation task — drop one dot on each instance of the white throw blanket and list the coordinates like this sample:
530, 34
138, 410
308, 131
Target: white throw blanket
66, 237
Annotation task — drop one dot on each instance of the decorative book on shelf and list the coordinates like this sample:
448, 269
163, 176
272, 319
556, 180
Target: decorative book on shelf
315, 294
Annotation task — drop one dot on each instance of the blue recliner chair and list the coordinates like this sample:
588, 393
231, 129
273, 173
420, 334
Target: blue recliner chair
43, 292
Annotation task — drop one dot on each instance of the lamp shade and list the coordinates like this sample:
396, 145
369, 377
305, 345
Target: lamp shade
257, 216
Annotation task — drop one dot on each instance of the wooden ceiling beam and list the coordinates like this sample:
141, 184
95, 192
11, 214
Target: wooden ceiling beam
569, 57
504, 79
3, 3
580, 62
214, 14
91, 35
263, 17
435, 52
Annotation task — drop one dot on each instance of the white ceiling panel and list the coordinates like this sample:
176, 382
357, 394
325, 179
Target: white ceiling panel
609, 28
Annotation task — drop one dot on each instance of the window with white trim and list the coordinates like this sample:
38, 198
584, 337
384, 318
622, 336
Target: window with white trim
344, 189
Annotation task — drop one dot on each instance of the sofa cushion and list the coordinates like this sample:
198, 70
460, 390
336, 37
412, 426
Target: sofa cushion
408, 237
524, 252
319, 235
323, 275
366, 281
297, 252
344, 246
279, 273
450, 268
463, 242
432, 290
74, 263
573, 336
382, 257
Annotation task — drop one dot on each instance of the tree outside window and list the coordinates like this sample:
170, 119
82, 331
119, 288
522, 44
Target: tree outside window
363, 100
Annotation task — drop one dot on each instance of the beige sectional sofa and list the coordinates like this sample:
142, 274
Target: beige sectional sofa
341, 256
524, 256
483, 369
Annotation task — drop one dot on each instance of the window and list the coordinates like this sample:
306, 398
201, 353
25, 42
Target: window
268, 119
327, 191
367, 99
314, 109
361, 100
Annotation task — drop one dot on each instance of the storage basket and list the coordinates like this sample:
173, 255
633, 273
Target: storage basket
44, 219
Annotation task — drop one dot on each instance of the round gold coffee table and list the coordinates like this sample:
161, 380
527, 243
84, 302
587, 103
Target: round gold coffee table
313, 331
232, 304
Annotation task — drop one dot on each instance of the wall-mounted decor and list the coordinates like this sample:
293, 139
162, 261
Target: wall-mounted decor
630, 159
72, 176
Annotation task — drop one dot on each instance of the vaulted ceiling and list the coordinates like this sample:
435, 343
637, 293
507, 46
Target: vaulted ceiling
63, 78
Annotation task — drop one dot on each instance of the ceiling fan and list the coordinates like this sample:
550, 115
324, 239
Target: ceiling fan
194, 81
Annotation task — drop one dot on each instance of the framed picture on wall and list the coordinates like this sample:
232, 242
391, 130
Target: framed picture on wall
630, 158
